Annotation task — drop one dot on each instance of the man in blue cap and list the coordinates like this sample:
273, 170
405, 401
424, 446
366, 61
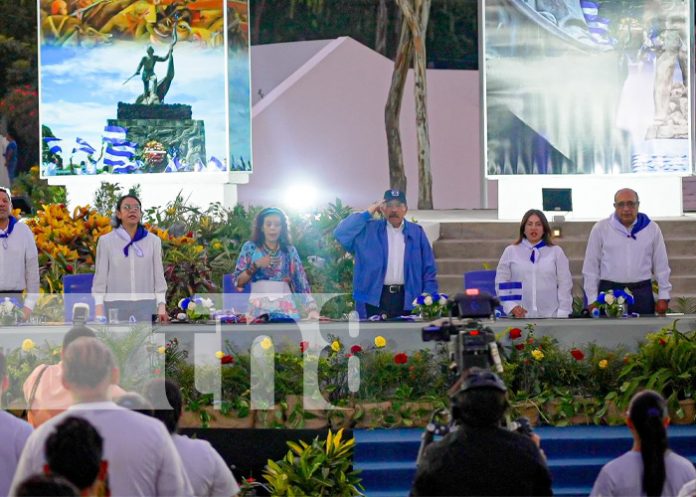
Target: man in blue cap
394, 262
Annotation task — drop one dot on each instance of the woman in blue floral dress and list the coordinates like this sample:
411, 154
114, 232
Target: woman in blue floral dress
271, 263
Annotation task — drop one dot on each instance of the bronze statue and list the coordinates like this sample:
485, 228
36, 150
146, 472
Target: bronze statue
154, 91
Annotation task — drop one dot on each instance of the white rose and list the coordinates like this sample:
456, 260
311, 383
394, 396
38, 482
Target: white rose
621, 300
609, 298
428, 300
415, 302
443, 300
191, 306
207, 303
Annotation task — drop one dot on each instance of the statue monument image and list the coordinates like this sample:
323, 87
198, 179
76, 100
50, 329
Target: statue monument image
164, 132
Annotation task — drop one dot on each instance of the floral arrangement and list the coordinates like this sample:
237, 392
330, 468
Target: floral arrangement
10, 311
154, 153
614, 302
195, 309
430, 306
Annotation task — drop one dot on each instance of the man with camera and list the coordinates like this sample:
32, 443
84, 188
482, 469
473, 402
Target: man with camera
480, 457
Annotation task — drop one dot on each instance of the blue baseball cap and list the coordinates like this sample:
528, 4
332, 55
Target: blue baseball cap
395, 195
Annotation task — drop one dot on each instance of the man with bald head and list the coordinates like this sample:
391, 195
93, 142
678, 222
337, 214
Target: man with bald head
19, 259
142, 460
626, 251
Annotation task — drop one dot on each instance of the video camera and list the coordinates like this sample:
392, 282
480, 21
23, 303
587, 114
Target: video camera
474, 344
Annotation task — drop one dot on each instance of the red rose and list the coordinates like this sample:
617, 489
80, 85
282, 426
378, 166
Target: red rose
662, 342
69, 268
189, 234
515, 333
348, 356
400, 358
227, 359
530, 340
577, 354
519, 346
250, 479
304, 345
355, 349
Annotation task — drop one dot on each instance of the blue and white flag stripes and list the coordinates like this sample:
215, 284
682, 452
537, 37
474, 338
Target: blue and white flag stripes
83, 146
114, 134
53, 144
510, 291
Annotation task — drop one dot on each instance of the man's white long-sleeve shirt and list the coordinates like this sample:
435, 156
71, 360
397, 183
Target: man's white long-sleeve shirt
19, 263
118, 277
613, 255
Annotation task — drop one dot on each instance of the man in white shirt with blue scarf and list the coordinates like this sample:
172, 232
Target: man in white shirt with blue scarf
626, 251
19, 259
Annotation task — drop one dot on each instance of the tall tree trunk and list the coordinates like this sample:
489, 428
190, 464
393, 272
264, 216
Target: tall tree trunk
258, 14
381, 28
392, 111
417, 21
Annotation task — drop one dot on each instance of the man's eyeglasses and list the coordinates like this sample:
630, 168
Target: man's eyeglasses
629, 204
129, 207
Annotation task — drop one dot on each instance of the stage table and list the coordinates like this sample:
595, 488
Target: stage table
401, 336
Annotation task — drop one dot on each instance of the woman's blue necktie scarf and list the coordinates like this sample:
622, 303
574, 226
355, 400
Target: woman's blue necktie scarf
537, 247
140, 233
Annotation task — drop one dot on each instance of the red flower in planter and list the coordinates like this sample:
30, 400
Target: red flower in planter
400, 358
304, 345
662, 342
519, 346
515, 333
530, 340
355, 349
577, 354
69, 268
227, 359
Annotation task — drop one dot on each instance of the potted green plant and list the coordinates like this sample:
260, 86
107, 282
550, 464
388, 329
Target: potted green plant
322, 468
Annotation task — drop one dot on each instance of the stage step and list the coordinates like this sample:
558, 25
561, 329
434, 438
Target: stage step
472, 246
575, 455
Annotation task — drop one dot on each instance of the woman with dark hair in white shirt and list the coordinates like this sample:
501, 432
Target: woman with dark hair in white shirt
533, 277
129, 275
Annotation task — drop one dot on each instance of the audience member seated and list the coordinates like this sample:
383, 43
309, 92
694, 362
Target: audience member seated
142, 458
480, 457
13, 435
135, 402
43, 389
74, 451
46, 486
271, 263
650, 468
208, 472
537, 272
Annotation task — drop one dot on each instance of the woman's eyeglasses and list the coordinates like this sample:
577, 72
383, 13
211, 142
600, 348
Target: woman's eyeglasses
130, 207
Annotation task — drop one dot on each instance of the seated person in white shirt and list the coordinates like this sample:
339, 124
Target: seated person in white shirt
129, 275
19, 259
533, 277
13, 434
142, 458
46, 485
627, 250
209, 474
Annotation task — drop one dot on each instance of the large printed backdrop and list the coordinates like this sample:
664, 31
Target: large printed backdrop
90, 50
590, 87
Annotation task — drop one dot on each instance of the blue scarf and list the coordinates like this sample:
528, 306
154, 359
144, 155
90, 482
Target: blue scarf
140, 233
642, 222
10, 227
537, 246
